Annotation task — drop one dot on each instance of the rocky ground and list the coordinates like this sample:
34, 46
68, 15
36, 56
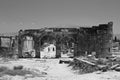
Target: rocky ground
48, 69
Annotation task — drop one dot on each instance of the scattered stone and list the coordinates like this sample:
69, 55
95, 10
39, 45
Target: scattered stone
20, 67
65, 60
117, 69
114, 66
84, 66
43, 73
103, 68
60, 62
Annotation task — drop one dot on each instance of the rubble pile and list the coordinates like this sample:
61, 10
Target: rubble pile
83, 66
88, 65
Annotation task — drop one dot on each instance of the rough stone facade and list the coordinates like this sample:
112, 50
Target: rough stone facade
82, 40
7, 45
95, 39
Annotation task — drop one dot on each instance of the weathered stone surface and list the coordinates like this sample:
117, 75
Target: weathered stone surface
81, 39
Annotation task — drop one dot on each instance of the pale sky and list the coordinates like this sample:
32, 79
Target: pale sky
25, 14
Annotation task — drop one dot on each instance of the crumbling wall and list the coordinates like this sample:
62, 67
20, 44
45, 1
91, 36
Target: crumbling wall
7, 44
96, 39
86, 40
41, 36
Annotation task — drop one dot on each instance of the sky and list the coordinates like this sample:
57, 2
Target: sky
35, 14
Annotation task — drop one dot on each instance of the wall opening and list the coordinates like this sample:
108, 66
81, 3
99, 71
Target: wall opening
28, 47
48, 47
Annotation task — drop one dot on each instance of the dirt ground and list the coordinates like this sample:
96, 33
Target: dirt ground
50, 69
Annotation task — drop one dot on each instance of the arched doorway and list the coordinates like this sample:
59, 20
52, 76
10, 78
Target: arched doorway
28, 46
67, 46
47, 46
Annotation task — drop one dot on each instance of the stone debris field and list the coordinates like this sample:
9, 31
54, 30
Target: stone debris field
48, 69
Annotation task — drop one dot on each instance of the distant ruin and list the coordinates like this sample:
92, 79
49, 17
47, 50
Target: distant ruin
78, 41
58, 42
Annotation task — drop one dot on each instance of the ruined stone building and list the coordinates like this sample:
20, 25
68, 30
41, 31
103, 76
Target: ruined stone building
7, 46
57, 42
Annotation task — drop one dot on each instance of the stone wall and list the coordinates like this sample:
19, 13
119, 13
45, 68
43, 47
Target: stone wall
86, 39
95, 39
